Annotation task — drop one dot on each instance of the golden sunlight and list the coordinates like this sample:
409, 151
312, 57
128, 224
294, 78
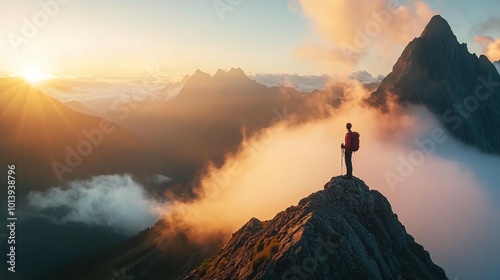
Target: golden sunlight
33, 76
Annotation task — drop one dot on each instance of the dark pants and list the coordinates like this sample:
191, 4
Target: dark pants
348, 162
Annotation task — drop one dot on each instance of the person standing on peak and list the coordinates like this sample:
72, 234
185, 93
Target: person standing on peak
351, 145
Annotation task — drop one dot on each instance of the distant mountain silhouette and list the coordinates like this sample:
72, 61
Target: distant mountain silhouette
48, 141
461, 89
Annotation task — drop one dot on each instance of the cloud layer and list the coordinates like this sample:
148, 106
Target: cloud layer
116, 201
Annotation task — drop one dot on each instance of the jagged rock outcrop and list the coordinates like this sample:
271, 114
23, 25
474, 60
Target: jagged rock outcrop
461, 89
343, 232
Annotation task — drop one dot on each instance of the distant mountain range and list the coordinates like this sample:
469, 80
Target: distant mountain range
211, 115
461, 89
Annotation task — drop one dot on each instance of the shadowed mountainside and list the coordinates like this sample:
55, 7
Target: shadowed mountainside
151, 254
50, 143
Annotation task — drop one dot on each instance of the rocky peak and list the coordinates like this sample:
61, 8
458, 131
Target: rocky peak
237, 72
234, 74
436, 71
437, 28
343, 232
198, 75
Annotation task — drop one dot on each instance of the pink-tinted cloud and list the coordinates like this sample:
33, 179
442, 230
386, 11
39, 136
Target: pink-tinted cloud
350, 31
491, 46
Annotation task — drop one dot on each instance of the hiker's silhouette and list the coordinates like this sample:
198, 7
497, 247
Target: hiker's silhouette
348, 150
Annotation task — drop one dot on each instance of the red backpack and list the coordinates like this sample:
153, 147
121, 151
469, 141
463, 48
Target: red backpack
354, 141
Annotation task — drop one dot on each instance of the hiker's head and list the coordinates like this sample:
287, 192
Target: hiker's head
348, 125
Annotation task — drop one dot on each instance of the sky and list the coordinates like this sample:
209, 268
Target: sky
121, 38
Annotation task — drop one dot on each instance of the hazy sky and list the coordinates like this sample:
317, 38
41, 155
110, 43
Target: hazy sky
124, 37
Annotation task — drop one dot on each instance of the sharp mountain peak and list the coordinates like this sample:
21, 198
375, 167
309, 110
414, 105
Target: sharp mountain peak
437, 27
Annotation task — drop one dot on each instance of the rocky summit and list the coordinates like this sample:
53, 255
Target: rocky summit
345, 231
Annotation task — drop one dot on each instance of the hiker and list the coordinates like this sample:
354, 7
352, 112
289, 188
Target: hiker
351, 145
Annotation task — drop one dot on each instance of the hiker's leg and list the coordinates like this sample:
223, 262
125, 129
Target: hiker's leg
348, 162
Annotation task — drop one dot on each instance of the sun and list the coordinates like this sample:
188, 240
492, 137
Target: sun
33, 76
